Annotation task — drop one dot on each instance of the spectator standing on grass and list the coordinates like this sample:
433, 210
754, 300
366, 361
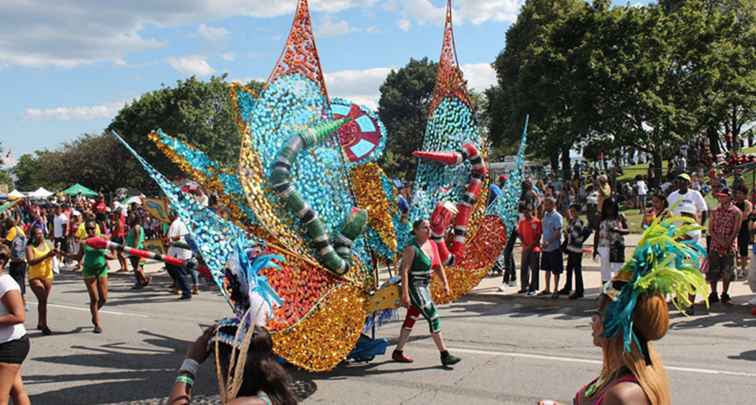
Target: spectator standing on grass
529, 230
577, 233
641, 190
723, 230
551, 260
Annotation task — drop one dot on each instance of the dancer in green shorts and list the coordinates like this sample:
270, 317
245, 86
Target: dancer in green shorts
95, 274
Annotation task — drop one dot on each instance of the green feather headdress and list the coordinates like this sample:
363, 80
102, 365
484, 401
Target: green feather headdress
665, 262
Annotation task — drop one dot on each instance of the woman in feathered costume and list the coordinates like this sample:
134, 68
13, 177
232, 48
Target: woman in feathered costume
633, 312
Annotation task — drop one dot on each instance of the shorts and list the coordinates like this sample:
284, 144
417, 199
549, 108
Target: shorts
15, 351
88, 272
721, 266
62, 244
117, 239
552, 261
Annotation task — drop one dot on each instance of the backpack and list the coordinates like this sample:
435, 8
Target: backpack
18, 247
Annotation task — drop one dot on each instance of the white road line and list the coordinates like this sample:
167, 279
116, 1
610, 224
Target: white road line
83, 309
589, 361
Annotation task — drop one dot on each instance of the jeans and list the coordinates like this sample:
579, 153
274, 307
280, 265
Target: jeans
179, 275
529, 271
17, 270
574, 264
510, 274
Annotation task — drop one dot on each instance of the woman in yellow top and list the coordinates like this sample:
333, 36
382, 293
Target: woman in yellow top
39, 255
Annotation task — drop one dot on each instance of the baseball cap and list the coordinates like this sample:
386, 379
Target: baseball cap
723, 192
684, 176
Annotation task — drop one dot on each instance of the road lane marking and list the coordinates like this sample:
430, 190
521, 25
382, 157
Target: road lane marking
589, 361
86, 309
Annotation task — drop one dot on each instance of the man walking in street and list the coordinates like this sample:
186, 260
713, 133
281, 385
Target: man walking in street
177, 232
529, 230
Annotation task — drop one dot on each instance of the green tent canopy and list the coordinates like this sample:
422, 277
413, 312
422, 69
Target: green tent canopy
79, 189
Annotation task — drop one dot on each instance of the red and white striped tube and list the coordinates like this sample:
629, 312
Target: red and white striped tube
99, 243
439, 221
464, 208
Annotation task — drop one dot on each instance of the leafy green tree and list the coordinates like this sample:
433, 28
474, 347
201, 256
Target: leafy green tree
403, 108
195, 111
27, 171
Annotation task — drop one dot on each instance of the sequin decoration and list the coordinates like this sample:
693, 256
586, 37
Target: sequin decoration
254, 181
506, 206
324, 339
209, 174
364, 138
301, 285
369, 194
449, 80
480, 255
300, 54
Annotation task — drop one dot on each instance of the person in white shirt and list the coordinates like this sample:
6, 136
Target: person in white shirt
687, 200
60, 230
642, 190
177, 232
14, 342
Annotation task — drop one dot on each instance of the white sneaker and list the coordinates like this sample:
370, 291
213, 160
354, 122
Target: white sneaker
532, 293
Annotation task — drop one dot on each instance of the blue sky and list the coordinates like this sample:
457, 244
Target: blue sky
67, 66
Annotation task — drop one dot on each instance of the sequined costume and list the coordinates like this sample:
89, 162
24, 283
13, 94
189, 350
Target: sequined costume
419, 288
310, 208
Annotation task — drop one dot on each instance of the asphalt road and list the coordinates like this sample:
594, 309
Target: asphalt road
514, 350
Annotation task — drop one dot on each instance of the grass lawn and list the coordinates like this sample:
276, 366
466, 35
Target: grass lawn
641, 169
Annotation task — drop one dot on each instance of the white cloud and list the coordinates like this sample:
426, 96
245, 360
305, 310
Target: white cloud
69, 33
472, 11
228, 56
191, 65
479, 76
405, 24
214, 34
82, 113
363, 86
332, 28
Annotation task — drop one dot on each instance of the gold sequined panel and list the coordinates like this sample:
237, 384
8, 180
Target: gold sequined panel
300, 55
324, 339
368, 193
253, 181
449, 80
480, 255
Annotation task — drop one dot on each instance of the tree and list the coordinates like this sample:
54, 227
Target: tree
28, 171
535, 77
194, 111
403, 108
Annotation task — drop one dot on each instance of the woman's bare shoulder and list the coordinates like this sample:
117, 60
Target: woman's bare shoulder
626, 393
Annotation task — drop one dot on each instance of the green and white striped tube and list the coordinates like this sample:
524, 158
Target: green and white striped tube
336, 257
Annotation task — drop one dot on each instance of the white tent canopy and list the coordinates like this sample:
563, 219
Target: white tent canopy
40, 193
15, 194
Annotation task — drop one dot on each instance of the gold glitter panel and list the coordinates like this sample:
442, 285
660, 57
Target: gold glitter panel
387, 297
323, 340
480, 255
253, 181
368, 193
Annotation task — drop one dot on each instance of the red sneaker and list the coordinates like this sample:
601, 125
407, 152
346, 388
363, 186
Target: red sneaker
399, 357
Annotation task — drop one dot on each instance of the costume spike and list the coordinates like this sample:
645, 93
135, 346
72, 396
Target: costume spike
449, 80
300, 55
